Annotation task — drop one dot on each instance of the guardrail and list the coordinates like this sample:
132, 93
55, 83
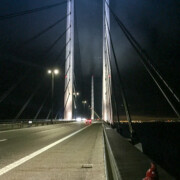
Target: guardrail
7, 125
114, 169
125, 161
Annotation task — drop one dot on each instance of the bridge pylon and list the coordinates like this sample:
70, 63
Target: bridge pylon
92, 97
69, 64
106, 85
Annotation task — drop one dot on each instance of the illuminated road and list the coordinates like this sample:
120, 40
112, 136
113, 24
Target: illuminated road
47, 156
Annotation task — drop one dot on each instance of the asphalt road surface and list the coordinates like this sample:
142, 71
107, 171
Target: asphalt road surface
63, 152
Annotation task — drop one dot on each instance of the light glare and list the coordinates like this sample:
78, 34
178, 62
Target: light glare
56, 71
78, 119
49, 71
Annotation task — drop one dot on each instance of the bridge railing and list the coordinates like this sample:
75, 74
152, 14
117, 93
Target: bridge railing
25, 123
125, 161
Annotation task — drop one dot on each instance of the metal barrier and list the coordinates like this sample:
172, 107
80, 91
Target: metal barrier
115, 171
7, 125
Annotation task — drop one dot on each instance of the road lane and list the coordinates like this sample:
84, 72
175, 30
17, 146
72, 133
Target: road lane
65, 160
26, 141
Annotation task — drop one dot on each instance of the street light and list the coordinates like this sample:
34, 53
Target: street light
75, 107
84, 102
76, 94
53, 73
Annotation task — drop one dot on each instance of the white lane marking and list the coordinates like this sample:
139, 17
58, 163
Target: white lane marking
30, 156
2, 140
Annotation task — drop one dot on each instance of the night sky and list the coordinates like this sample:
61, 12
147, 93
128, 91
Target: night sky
154, 24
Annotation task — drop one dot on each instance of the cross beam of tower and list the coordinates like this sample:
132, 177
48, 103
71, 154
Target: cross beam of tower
69, 66
106, 89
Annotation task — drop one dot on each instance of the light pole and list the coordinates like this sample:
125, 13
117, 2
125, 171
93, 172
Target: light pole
53, 73
75, 106
84, 103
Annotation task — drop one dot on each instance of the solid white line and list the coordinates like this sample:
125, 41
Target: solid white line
2, 140
30, 156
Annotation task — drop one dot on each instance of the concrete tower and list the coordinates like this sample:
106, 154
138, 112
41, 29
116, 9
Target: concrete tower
69, 65
106, 89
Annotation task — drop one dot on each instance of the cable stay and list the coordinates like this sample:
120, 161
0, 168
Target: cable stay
67, 100
45, 54
75, 82
56, 117
113, 82
75, 92
42, 105
12, 88
48, 115
121, 86
78, 49
114, 98
64, 62
145, 63
147, 58
163, 80
33, 65
61, 52
22, 13
43, 31
38, 35
67, 70
66, 86
74, 88
55, 42
26, 103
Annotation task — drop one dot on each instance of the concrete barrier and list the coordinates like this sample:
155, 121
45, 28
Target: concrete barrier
127, 162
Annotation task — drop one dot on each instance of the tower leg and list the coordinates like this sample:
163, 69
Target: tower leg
106, 89
69, 65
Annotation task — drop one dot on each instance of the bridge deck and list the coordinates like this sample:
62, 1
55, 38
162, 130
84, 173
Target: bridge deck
64, 161
132, 164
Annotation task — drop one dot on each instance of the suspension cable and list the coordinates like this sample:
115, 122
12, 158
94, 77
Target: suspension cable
12, 88
113, 87
26, 103
43, 31
67, 101
143, 53
144, 62
22, 13
47, 117
56, 116
62, 64
121, 84
56, 41
42, 105
61, 52
78, 49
